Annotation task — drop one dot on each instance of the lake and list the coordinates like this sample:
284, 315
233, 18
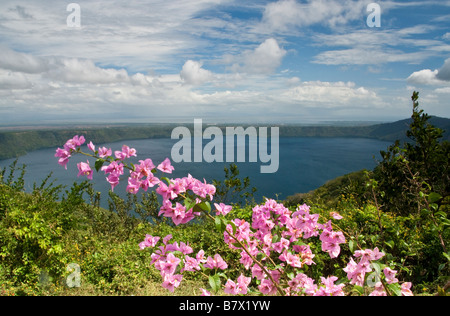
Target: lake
304, 164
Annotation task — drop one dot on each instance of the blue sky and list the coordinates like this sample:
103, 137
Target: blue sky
286, 61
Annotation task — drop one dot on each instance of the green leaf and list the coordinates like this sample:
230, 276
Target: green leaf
214, 282
446, 255
390, 244
189, 203
434, 197
359, 289
220, 224
233, 225
166, 179
351, 246
395, 288
99, 164
205, 206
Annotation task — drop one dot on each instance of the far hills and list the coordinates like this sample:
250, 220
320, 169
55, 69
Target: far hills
19, 142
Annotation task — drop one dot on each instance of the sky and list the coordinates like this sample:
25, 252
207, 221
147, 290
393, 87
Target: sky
223, 61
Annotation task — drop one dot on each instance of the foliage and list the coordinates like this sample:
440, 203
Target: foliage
233, 189
412, 183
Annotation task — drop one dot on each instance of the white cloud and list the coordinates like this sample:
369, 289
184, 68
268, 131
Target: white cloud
425, 76
20, 62
264, 59
332, 94
13, 80
74, 70
443, 90
283, 15
369, 47
193, 73
432, 77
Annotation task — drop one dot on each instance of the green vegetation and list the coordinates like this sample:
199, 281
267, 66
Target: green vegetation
401, 207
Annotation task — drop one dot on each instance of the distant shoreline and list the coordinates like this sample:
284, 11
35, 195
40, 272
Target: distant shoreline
17, 141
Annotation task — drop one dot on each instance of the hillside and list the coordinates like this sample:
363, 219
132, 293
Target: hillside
19, 142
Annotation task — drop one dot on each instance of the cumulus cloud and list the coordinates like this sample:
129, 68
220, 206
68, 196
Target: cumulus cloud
193, 73
264, 59
432, 77
76, 70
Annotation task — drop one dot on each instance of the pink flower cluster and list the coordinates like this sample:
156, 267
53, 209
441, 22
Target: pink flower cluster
69, 147
356, 271
142, 176
171, 267
179, 213
274, 219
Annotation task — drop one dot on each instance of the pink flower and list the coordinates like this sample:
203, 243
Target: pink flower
145, 167
91, 146
165, 166
72, 144
242, 284
149, 241
336, 215
179, 213
333, 249
113, 167
149, 182
126, 152
222, 209
330, 242
85, 169
166, 239
257, 272
170, 265
185, 248
330, 288
190, 264
406, 289
305, 253
171, 281
292, 260
64, 156
133, 185
378, 290
205, 292
113, 179
231, 288
282, 244
390, 275
266, 287
217, 262
303, 283
163, 190
103, 152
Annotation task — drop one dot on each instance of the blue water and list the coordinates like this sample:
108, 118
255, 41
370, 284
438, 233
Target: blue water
304, 164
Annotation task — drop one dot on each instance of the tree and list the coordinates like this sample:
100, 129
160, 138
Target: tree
423, 160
